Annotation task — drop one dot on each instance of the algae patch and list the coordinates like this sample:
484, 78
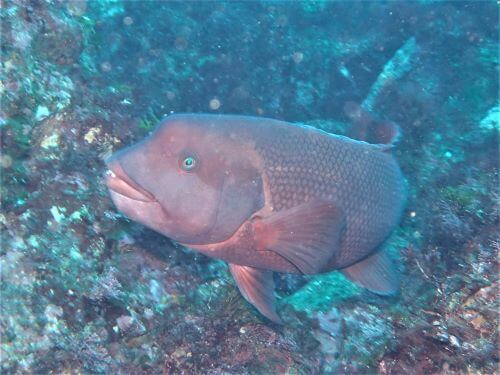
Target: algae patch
322, 292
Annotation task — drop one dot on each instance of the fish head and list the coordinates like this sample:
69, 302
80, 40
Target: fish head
189, 180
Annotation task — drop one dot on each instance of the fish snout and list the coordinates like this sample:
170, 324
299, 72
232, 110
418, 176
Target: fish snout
119, 182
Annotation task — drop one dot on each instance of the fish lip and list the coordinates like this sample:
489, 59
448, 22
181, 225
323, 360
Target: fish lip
120, 183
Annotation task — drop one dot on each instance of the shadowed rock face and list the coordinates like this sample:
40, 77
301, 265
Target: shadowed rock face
85, 290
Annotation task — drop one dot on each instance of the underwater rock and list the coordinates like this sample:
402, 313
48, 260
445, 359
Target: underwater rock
106, 286
394, 70
130, 326
448, 225
368, 334
492, 120
330, 336
61, 45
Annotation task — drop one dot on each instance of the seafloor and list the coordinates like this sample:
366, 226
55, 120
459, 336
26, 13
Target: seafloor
83, 290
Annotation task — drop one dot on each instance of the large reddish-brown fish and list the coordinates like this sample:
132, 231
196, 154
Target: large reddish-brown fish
265, 195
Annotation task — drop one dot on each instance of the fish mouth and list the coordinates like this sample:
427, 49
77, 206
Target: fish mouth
120, 183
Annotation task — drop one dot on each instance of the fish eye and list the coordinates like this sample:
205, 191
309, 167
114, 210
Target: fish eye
188, 163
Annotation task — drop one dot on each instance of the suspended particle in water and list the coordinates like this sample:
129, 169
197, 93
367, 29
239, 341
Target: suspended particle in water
106, 66
297, 57
127, 21
76, 8
5, 161
170, 95
214, 104
282, 21
181, 43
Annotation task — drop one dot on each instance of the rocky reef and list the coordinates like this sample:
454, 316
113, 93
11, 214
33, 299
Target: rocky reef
83, 290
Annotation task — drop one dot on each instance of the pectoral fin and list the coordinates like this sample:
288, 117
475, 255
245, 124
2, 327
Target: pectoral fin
307, 235
257, 286
376, 273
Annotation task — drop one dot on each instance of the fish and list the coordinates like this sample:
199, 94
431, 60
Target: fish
266, 196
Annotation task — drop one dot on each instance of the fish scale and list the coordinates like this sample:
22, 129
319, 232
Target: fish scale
308, 163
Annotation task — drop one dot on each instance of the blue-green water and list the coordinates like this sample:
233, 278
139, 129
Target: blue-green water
84, 290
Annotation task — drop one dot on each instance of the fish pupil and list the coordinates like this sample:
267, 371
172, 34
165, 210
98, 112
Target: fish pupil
188, 162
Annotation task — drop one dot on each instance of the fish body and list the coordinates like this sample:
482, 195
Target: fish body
264, 196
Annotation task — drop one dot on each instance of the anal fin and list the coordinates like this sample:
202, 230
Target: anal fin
257, 286
376, 273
